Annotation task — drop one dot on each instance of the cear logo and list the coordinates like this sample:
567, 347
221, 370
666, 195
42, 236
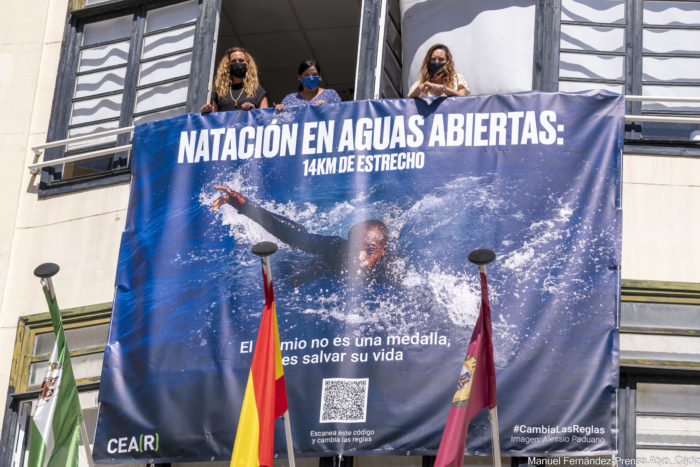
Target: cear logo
140, 443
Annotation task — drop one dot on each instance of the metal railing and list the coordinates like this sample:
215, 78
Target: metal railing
660, 118
38, 150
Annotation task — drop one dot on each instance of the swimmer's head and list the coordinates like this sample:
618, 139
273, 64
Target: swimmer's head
368, 244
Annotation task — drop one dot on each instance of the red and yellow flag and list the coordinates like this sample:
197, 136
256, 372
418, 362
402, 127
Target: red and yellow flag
265, 397
476, 387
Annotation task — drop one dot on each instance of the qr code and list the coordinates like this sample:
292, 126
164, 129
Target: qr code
344, 400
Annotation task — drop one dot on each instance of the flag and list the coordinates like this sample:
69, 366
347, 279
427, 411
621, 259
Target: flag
476, 387
56, 424
265, 397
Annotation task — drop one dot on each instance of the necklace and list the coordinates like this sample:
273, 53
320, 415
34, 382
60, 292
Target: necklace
235, 99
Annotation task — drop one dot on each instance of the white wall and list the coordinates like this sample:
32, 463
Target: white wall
29, 43
661, 225
491, 40
78, 231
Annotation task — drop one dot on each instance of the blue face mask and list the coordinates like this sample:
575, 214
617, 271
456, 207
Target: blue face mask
310, 82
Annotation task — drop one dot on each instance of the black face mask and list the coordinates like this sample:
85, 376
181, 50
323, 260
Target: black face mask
238, 69
435, 67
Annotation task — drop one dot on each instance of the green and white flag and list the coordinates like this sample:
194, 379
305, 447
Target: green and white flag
56, 423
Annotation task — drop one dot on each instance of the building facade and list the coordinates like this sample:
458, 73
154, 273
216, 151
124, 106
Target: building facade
78, 67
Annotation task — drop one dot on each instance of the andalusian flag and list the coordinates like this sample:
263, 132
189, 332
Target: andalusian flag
476, 387
56, 422
265, 397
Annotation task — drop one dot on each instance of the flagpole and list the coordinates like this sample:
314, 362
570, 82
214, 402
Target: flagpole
45, 272
481, 258
265, 250
495, 441
86, 443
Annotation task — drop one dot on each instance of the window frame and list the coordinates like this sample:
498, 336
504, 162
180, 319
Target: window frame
627, 402
201, 65
634, 372
30, 326
20, 393
379, 56
547, 49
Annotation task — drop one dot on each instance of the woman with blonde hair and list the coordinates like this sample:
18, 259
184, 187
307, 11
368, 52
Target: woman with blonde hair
236, 85
438, 76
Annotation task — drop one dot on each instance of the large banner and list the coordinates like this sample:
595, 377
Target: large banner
375, 206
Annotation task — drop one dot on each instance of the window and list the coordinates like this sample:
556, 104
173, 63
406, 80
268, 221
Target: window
634, 47
659, 418
86, 335
666, 62
668, 423
592, 45
280, 34
659, 396
122, 66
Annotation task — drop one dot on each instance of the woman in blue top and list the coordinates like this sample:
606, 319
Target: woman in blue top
310, 93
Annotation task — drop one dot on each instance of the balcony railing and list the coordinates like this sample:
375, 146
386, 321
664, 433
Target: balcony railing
38, 150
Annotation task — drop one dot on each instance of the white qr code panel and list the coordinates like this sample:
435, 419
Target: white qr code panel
344, 400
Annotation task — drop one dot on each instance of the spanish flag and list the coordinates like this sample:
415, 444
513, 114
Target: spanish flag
476, 387
265, 397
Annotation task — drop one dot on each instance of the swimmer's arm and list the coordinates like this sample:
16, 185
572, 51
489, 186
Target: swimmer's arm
288, 231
